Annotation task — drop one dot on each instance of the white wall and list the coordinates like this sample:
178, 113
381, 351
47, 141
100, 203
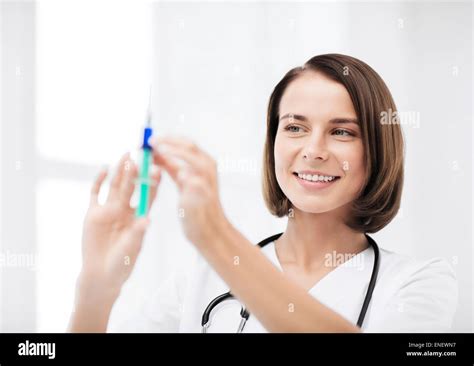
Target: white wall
18, 239
214, 65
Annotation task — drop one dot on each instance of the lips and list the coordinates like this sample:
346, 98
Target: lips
314, 176
313, 172
317, 184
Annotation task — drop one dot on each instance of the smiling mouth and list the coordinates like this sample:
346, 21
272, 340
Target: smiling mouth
310, 178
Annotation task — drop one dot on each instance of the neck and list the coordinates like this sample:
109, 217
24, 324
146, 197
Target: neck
309, 237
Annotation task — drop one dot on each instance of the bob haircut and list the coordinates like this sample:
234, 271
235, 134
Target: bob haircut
380, 196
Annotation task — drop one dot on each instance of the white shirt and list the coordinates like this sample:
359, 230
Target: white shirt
410, 296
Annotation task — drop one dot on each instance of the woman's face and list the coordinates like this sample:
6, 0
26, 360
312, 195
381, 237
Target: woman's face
319, 155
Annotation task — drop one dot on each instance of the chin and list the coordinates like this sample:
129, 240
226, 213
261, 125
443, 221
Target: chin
312, 206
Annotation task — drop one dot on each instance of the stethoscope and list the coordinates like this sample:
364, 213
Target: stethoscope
244, 314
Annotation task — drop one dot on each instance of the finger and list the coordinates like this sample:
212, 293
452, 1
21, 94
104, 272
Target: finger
158, 141
95, 190
179, 142
182, 141
117, 179
184, 176
195, 160
182, 149
185, 150
199, 159
170, 165
128, 183
196, 185
132, 243
185, 143
155, 179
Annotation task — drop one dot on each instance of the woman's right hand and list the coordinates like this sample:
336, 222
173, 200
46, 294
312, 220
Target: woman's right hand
111, 242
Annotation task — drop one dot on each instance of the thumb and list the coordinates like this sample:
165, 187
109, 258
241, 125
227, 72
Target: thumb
137, 231
140, 225
133, 239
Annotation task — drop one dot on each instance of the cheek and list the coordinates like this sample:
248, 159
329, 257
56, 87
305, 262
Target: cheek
352, 162
283, 155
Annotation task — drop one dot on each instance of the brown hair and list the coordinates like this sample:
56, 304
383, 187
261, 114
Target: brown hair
379, 200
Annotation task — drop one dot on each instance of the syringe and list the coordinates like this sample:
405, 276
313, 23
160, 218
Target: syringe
144, 178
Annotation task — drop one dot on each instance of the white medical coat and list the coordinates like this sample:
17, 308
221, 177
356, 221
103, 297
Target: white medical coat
409, 296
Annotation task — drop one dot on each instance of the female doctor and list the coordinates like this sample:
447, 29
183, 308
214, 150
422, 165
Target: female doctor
334, 167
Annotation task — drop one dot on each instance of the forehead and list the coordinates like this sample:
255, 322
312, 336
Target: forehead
314, 95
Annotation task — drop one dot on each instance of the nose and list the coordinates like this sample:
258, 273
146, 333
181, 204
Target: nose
316, 148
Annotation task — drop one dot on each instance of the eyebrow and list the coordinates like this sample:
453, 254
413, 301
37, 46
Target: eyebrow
333, 120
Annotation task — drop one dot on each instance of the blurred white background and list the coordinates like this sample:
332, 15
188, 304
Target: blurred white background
74, 89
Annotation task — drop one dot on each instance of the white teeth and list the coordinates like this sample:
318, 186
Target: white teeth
316, 178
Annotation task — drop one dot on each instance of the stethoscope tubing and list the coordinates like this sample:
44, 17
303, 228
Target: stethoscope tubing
205, 321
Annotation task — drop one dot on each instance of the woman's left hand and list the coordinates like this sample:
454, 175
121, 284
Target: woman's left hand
195, 173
